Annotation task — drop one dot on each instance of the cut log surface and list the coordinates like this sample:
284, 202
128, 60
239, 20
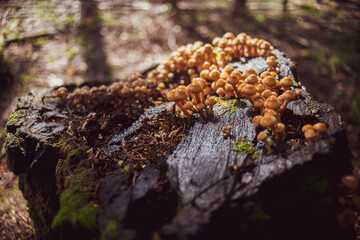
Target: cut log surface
195, 192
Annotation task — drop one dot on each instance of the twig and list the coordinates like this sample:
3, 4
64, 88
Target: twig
221, 113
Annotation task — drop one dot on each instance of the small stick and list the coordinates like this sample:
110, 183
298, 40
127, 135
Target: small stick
222, 113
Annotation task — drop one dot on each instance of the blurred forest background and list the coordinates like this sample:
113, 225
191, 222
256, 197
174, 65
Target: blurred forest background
50, 43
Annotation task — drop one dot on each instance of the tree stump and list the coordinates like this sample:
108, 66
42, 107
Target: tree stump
154, 175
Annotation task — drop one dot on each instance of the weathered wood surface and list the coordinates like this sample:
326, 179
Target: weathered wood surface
192, 193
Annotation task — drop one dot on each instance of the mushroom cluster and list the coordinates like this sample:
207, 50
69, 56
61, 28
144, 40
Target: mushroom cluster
197, 71
349, 200
196, 91
135, 88
314, 132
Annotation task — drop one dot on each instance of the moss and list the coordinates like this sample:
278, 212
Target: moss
110, 232
75, 209
15, 153
15, 116
247, 147
125, 170
78, 214
232, 104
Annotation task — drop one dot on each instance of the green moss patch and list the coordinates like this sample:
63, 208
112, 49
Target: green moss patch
110, 232
245, 146
78, 214
232, 104
15, 116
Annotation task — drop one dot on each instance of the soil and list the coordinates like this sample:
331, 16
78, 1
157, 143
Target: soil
53, 43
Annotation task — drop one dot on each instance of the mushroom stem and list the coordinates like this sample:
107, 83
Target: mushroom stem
181, 106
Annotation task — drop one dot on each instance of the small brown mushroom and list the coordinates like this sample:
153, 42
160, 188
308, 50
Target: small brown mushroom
256, 121
61, 92
210, 102
262, 136
306, 127
268, 121
272, 102
195, 91
226, 131
310, 135
200, 108
177, 96
279, 131
269, 82
350, 182
320, 129
288, 96
286, 83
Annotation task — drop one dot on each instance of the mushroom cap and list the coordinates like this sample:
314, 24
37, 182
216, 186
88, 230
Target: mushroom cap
310, 134
265, 74
269, 81
77, 92
271, 112
214, 74
200, 106
248, 72
61, 90
229, 35
320, 127
272, 102
286, 81
252, 79
194, 88
258, 103
220, 91
228, 87
205, 73
268, 121
277, 85
237, 73
206, 65
262, 136
224, 75
126, 90
228, 69
271, 61
200, 80
249, 89
256, 96
260, 88
94, 90
220, 83
350, 182
233, 80
216, 41
207, 91
256, 121
210, 101
288, 95
280, 127
181, 87
102, 88
306, 127
188, 105
180, 95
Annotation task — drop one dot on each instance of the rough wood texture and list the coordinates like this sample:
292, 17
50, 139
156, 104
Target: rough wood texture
193, 193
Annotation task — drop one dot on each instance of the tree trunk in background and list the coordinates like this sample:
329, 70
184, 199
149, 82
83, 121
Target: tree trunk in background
240, 5
92, 42
285, 2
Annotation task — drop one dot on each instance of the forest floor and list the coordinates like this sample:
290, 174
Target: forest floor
60, 42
